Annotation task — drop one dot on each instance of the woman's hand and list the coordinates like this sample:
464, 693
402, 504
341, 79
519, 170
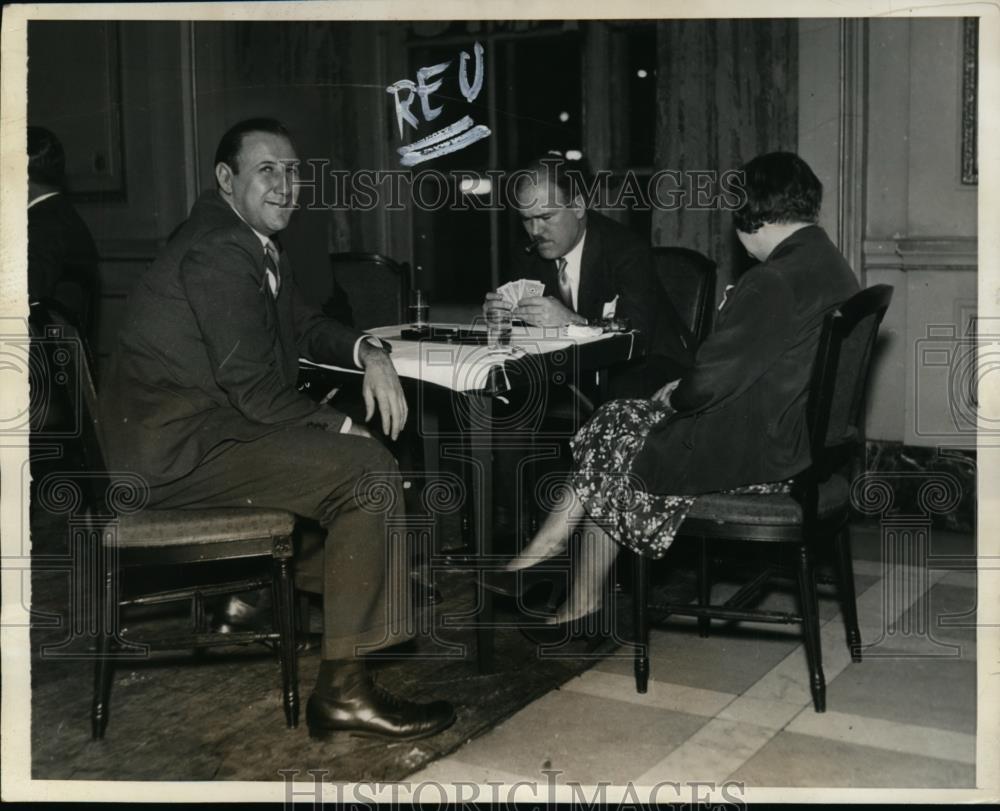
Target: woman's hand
662, 395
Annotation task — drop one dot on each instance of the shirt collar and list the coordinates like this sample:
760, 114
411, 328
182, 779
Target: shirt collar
41, 197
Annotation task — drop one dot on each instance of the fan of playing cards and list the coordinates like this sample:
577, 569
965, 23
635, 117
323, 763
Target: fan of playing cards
513, 292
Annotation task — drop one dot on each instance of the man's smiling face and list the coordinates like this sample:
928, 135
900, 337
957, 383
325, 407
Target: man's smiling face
262, 187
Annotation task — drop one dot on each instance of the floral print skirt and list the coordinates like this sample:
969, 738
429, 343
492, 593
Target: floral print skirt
603, 450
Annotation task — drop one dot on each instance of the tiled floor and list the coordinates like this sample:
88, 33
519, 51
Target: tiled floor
736, 706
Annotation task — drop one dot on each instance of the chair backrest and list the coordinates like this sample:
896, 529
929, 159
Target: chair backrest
840, 375
51, 325
688, 278
369, 290
65, 341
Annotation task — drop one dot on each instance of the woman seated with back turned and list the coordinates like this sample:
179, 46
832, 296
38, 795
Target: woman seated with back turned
736, 421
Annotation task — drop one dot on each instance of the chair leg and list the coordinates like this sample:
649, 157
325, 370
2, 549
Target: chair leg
845, 588
284, 617
468, 516
640, 599
532, 506
810, 627
704, 586
430, 430
105, 606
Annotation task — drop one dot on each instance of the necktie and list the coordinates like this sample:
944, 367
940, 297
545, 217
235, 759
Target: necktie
271, 267
565, 286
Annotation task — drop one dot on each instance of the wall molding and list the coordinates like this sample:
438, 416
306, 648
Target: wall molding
923, 253
851, 170
970, 96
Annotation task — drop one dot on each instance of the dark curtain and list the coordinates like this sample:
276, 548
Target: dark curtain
727, 90
316, 78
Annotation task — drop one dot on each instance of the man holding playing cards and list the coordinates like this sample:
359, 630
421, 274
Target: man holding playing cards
580, 267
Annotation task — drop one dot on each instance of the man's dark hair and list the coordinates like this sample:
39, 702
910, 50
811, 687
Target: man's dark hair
780, 188
569, 177
232, 142
46, 159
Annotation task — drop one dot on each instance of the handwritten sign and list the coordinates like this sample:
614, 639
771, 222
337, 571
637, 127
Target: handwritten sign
448, 139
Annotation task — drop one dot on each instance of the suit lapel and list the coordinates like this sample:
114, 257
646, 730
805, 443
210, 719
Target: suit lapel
283, 309
588, 302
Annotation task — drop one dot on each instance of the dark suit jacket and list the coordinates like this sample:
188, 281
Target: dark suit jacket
207, 356
62, 259
616, 262
742, 408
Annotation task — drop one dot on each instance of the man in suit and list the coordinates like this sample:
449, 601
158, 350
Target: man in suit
62, 272
593, 267
62, 257
201, 401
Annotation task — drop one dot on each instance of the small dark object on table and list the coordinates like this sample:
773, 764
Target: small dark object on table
446, 335
613, 324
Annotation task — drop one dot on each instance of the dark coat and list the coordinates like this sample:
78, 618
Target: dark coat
742, 408
62, 260
207, 355
617, 262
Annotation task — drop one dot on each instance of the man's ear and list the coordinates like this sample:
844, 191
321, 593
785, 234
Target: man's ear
224, 177
579, 207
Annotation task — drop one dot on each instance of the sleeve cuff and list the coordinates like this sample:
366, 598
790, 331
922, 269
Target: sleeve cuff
346, 427
357, 347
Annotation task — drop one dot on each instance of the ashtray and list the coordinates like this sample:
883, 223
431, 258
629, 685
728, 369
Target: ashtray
615, 324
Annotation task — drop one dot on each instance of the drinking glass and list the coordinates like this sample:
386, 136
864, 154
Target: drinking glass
498, 328
419, 309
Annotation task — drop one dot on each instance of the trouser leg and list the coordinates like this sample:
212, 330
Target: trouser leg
351, 486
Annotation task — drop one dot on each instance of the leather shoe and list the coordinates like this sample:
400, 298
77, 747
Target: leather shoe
366, 710
239, 615
552, 631
506, 583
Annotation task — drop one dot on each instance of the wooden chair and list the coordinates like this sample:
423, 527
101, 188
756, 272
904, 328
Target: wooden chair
816, 511
126, 536
369, 290
688, 278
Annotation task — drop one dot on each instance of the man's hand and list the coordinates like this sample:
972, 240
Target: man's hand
662, 395
546, 311
381, 385
359, 430
494, 301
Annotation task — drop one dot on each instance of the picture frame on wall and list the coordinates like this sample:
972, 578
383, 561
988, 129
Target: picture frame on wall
79, 98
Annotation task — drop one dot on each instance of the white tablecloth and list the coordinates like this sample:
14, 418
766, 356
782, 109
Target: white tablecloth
465, 367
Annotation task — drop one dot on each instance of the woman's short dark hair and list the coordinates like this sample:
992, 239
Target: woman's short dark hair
780, 188
231, 143
46, 159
